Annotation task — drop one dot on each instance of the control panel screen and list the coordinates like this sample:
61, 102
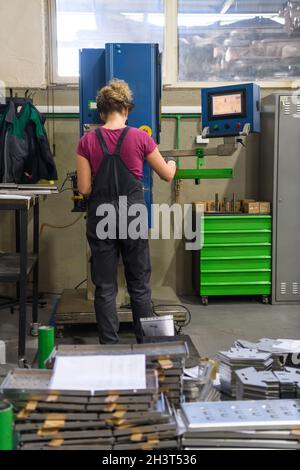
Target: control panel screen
225, 105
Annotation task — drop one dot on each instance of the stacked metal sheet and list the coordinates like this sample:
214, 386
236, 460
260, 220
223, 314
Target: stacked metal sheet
253, 384
198, 384
256, 385
167, 359
54, 420
285, 352
242, 425
235, 359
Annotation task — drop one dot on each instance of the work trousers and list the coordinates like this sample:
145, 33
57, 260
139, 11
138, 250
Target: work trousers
105, 260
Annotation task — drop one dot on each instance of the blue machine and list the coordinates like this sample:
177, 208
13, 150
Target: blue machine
140, 66
227, 110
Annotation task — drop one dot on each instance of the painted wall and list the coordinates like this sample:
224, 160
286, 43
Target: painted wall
22, 39
63, 250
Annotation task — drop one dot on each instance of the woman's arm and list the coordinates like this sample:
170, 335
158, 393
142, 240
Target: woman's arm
166, 171
84, 175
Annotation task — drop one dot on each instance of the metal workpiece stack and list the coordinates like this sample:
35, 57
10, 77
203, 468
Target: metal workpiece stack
236, 359
61, 420
167, 359
198, 384
256, 385
170, 373
285, 352
262, 424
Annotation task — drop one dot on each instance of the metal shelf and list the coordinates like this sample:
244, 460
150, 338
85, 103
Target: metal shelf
10, 266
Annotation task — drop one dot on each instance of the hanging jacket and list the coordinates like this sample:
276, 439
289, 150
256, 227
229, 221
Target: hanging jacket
25, 155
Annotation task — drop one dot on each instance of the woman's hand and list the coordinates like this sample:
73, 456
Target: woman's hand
165, 170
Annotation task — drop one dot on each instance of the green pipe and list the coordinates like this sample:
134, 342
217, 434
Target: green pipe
46, 344
77, 116
6, 427
61, 116
205, 173
183, 116
176, 116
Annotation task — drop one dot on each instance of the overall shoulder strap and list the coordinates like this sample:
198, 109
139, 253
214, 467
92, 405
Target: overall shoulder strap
121, 140
102, 141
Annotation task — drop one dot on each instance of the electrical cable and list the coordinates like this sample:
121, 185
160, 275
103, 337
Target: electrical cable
62, 227
180, 325
65, 190
63, 185
79, 285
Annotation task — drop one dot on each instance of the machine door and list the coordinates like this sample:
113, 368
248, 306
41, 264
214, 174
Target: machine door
288, 202
92, 79
140, 66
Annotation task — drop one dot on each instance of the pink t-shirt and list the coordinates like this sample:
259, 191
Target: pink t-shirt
136, 147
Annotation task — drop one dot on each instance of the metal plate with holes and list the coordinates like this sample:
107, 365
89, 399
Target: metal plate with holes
274, 414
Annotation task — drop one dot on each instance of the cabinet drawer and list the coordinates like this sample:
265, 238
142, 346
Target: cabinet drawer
233, 238
210, 265
259, 289
232, 223
236, 278
236, 251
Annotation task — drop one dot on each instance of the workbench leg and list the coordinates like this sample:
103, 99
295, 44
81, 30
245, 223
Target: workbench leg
36, 249
23, 281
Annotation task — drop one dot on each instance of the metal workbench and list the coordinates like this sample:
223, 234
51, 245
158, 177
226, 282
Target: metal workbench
17, 267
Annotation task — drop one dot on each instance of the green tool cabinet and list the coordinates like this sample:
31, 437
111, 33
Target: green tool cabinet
236, 258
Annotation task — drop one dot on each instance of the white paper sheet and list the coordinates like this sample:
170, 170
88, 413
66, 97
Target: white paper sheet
99, 373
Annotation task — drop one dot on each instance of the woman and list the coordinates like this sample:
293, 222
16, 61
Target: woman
110, 164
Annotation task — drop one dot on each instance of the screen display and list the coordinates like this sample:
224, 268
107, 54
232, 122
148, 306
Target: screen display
224, 105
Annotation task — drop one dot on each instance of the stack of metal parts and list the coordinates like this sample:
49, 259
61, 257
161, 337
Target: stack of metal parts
235, 359
198, 384
285, 352
255, 385
123, 420
168, 359
242, 425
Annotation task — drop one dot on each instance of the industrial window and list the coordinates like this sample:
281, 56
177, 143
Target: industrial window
238, 40
92, 23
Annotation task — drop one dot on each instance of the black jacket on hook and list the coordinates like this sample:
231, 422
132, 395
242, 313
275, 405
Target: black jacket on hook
25, 155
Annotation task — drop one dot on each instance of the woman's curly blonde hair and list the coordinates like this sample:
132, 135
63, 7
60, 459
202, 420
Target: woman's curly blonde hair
115, 97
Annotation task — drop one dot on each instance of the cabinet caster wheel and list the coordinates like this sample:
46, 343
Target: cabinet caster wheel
265, 300
204, 301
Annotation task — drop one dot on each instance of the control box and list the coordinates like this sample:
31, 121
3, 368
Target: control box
227, 110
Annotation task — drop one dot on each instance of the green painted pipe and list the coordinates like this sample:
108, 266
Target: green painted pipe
46, 344
204, 173
77, 116
6, 426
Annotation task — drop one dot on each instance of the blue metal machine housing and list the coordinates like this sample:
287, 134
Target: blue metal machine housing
140, 66
226, 110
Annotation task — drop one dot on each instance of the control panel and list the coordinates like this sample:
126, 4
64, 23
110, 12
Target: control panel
231, 110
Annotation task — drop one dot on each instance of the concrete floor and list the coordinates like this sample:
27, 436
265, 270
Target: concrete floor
213, 328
